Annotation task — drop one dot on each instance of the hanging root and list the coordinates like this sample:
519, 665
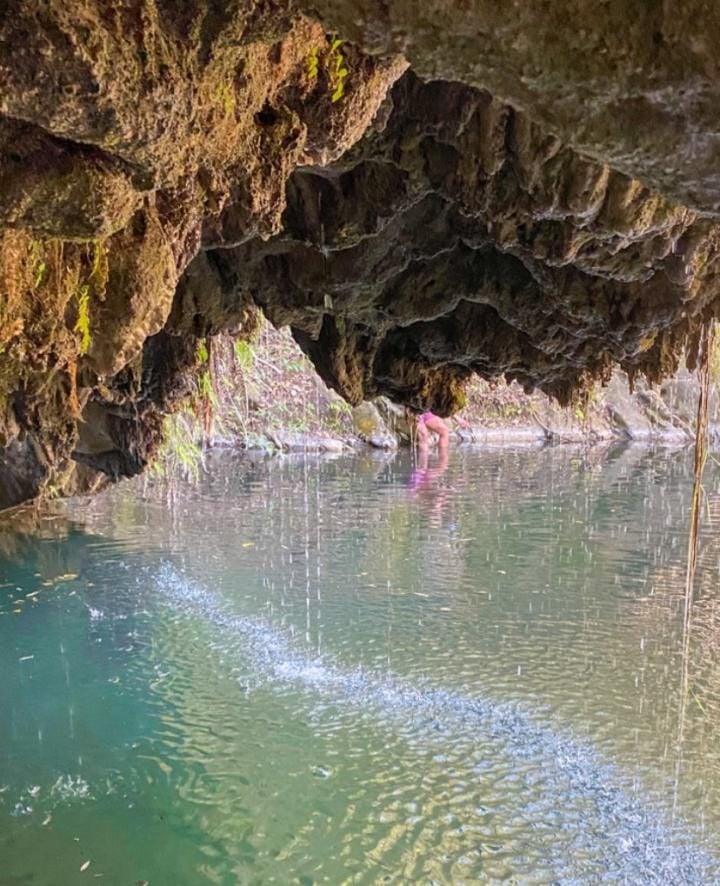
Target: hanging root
704, 359
701, 448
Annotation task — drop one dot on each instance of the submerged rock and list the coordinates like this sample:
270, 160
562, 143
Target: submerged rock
534, 198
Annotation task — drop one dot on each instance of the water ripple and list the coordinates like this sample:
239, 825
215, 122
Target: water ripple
575, 804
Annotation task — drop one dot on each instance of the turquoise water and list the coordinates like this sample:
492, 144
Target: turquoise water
333, 671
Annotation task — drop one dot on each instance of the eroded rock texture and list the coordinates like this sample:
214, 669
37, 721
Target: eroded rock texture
168, 168
631, 84
460, 239
131, 134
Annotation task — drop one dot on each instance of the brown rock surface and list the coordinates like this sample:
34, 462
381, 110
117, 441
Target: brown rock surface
631, 84
167, 168
462, 239
131, 134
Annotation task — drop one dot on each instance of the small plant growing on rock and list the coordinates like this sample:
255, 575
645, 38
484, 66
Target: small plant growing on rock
244, 354
38, 266
336, 68
180, 453
96, 282
313, 63
225, 98
202, 353
82, 324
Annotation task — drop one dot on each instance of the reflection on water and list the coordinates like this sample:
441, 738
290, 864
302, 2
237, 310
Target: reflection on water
364, 670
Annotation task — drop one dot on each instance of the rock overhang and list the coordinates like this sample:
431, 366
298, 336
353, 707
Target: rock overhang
168, 170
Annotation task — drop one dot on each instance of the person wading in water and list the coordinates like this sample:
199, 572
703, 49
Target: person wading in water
428, 423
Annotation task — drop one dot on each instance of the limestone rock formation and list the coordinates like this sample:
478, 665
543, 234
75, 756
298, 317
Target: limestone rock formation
534, 197
370, 426
462, 239
633, 85
133, 135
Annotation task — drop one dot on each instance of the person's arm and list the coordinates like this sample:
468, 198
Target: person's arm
421, 432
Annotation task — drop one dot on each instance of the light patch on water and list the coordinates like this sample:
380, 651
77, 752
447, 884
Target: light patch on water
68, 787
592, 813
34, 798
20, 809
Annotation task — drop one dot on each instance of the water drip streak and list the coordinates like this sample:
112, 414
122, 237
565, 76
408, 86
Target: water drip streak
626, 836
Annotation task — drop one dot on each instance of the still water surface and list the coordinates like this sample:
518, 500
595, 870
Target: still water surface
342, 671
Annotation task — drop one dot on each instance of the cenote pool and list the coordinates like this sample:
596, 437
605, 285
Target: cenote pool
338, 671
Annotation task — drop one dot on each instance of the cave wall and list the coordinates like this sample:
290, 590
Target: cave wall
133, 135
420, 190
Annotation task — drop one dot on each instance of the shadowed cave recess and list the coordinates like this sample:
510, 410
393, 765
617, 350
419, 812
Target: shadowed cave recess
420, 190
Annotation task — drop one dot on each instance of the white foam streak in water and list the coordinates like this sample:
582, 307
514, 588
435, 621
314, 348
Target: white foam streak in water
63, 791
69, 788
593, 813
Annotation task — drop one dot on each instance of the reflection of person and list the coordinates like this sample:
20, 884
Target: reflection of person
424, 476
432, 495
